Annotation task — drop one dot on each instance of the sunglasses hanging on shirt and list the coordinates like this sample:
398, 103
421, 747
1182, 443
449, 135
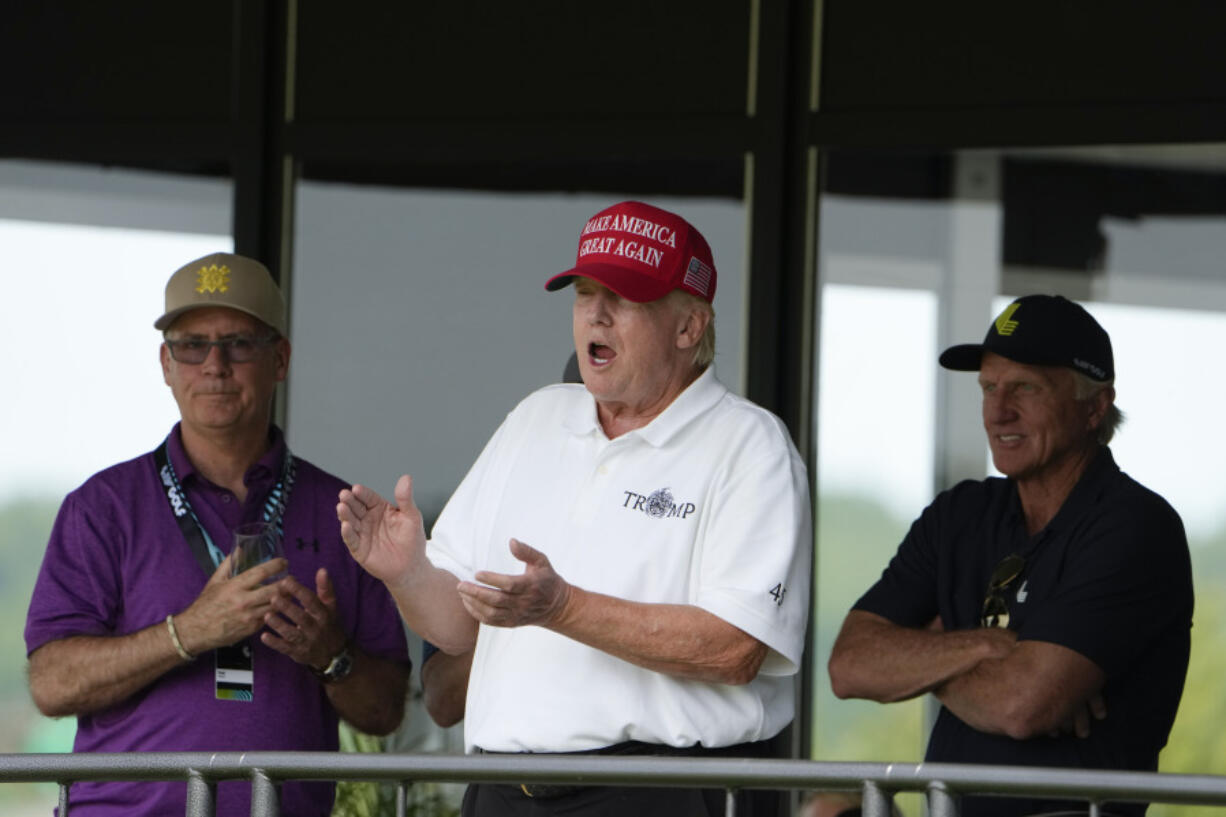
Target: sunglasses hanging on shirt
995, 607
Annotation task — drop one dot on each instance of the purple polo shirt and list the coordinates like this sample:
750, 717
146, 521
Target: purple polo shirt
117, 563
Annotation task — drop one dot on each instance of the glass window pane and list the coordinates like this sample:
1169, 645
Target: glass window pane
875, 461
88, 252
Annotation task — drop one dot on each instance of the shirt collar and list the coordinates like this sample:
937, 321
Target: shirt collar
1084, 494
266, 468
1087, 490
697, 398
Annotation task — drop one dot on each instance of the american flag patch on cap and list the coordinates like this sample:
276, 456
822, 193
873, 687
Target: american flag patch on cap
698, 276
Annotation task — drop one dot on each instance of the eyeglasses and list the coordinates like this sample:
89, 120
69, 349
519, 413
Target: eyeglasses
995, 608
239, 349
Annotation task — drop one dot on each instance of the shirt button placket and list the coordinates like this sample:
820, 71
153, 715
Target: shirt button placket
596, 490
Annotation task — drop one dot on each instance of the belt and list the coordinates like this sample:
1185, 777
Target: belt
549, 791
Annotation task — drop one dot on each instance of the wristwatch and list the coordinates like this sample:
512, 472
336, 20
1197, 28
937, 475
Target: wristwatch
338, 668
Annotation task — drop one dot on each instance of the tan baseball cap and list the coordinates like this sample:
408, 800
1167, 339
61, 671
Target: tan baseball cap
224, 279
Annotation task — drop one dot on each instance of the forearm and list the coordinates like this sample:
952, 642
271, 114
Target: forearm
976, 698
1036, 690
429, 604
444, 686
674, 639
371, 698
876, 659
83, 674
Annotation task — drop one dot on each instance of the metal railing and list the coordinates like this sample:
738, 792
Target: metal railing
878, 782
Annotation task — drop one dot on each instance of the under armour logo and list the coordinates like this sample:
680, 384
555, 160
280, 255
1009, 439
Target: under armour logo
302, 545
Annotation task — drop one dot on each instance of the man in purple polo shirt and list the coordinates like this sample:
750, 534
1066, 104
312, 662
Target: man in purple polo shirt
137, 626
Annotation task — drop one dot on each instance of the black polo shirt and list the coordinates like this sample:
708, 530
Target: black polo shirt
1109, 577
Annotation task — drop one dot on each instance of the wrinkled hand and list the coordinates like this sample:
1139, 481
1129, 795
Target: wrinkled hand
303, 624
1078, 723
384, 539
228, 609
537, 596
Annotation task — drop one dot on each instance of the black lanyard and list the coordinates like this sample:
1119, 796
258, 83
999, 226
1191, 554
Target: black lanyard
207, 554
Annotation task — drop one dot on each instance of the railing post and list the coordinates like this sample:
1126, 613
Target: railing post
64, 799
265, 795
201, 795
729, 802
940, 802
402, 797
874, 802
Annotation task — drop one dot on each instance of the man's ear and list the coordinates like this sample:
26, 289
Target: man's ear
164, 356
282, 351
1100, 404
692, 328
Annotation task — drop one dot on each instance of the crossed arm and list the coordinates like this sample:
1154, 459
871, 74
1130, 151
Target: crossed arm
987, 678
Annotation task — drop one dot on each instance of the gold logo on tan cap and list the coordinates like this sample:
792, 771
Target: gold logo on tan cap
213, 278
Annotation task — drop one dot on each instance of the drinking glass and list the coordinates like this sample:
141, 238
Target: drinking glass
254, 544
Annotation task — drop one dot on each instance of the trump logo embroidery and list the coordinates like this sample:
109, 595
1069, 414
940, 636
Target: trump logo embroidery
658, 505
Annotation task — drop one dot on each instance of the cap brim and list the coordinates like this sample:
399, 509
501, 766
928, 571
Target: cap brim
965, 357
163, 323
633, 286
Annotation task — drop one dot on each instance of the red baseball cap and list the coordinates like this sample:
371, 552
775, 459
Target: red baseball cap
642, 253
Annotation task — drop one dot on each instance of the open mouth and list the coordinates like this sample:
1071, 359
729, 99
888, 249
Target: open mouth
600, 354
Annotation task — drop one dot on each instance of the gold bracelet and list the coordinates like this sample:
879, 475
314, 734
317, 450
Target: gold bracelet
174, 636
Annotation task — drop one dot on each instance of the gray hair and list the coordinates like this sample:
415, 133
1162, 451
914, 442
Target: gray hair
1086, 388
704, 351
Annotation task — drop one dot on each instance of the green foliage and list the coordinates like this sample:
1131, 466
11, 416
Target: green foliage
856, 538
25, 526
355, 798
1196, 745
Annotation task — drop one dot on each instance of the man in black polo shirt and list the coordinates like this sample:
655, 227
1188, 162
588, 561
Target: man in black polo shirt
1049, 612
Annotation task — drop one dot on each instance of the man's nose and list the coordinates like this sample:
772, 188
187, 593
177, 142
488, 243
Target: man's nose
598, 309
997, 407
217, 360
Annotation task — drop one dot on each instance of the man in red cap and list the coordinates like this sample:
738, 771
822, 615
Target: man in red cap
1049, 612
630, 556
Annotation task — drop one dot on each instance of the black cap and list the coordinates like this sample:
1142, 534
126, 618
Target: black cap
1041, 330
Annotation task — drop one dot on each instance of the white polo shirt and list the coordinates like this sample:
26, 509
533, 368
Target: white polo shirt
706, 505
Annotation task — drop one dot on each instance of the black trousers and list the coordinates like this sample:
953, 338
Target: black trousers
506, 800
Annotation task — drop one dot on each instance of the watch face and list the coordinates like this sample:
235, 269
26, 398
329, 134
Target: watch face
339, 668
